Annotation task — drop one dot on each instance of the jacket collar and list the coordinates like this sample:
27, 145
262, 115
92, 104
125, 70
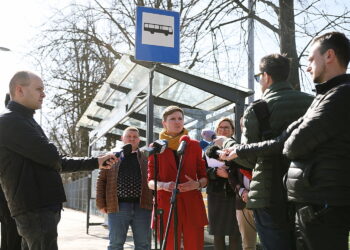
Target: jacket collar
277, 86
335, 81
15, 106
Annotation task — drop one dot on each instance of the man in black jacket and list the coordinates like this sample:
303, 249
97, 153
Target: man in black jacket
318, 178
10, 240
30, 166
318, 145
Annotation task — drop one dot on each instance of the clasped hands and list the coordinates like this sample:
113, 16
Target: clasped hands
189, 185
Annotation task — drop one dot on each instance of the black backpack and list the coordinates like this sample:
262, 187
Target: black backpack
263, 115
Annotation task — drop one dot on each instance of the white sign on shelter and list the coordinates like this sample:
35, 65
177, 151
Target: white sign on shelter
157, 29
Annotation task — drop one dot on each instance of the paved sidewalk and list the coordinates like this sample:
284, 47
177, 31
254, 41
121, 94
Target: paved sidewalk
72, 233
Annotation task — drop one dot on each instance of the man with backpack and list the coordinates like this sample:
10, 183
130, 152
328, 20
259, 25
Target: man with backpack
265, 119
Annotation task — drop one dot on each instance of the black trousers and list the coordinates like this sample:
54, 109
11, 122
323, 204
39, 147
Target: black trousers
327, 229
10, 239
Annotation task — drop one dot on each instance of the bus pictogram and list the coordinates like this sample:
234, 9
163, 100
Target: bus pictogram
158, 28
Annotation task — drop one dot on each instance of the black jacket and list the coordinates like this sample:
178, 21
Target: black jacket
30, 164
217, 184
320, 148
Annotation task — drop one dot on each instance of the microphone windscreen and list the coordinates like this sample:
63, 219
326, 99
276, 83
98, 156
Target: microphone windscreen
127, 149
211, 152
185, 138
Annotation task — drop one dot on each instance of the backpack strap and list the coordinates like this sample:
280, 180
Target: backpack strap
263, 115
278, 204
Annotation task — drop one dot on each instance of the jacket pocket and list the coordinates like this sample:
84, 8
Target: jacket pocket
306, 167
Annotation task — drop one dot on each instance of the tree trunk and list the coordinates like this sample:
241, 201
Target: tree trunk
287, 39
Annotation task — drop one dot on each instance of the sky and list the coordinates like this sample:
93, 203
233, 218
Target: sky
20, 21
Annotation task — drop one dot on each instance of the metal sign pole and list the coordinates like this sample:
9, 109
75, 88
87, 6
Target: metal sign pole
150, 107
88, 195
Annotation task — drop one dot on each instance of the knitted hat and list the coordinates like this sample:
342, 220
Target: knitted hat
208, 135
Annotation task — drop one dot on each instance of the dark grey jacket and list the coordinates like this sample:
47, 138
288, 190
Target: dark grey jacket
285, 106
30, 164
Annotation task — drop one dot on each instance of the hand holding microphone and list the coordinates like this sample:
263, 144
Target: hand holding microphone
228, 154
214, 152
217, 153
124, 151
106, 161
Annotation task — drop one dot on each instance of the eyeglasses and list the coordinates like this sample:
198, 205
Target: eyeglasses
224, 128
257, 77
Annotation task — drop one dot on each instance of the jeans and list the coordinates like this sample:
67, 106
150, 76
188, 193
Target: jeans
274, 233
130, 214
38, 229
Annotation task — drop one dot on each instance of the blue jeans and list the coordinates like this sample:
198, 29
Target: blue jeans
274, 233
130, 214
38, 229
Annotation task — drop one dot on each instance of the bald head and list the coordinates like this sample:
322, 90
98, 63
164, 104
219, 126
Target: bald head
21, 78
27, 89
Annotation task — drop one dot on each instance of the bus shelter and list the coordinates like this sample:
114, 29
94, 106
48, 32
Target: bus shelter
123, 101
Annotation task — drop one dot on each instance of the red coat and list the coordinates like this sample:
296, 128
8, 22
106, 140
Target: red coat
190, 205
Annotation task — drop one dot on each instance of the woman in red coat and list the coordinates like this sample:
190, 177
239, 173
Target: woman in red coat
190, 206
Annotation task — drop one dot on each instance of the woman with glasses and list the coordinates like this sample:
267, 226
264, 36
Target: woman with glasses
221, 197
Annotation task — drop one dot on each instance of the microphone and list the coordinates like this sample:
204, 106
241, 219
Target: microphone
157, 147
121, 153
184, 140
124, 151
213, 152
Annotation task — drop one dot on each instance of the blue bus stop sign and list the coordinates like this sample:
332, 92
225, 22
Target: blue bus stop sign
157, 35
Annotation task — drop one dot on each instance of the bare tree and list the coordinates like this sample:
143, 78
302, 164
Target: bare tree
81, 43
79, 63
280, 20
78, 49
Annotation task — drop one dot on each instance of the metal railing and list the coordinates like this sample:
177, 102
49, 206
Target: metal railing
76, 193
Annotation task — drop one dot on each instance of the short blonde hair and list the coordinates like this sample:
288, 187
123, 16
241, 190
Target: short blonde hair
131, 129
171, 109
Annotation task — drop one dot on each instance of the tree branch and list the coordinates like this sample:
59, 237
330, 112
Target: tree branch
116, 22
257, 18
